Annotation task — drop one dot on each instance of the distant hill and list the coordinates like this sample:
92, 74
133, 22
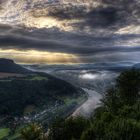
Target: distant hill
137, 66
8, 66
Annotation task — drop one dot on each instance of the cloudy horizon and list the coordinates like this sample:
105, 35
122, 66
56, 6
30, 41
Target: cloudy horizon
98, 34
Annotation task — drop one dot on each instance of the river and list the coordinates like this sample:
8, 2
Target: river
90, 105
94, 83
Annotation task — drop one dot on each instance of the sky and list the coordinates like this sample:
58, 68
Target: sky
77, 35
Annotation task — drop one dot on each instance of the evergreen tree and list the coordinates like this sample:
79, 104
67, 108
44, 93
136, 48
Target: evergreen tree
33, 132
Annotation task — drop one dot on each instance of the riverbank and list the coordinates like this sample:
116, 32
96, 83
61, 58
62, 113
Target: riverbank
90, 105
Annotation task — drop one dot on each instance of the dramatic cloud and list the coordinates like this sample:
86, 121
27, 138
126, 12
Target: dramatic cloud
71, 33
18, 43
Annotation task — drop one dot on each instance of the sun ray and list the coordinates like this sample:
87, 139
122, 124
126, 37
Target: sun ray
35, 56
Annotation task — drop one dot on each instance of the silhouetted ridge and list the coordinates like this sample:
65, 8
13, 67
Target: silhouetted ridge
137, 66
8, 66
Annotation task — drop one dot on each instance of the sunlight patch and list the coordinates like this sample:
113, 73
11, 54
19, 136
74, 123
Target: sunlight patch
34, 56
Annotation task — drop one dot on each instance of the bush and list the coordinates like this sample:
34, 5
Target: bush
71, 128
33, 132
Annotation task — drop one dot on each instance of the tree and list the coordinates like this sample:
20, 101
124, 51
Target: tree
68, 129
123, 129
33, 132
88, 135
111, 100
128, 85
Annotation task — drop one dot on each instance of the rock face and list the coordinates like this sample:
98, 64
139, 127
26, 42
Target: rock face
8, 66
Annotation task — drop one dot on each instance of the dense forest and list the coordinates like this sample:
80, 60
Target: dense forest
35, 97
36, 90
118, 117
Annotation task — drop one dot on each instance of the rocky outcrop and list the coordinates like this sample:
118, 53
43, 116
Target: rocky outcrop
8, 66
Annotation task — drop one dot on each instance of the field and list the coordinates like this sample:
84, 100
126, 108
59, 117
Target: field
6, 75
4, 132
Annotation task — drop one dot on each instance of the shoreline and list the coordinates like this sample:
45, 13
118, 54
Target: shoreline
87, 107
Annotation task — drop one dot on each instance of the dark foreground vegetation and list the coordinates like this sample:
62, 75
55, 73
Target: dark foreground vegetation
118, 117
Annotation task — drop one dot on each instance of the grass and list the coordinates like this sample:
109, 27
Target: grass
77, 100
7, 75
39, 78
16, 136
4, 132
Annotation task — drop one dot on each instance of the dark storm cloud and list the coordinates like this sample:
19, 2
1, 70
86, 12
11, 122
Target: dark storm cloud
100, 44
111, 13
88, 46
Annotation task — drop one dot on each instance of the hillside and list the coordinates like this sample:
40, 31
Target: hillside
8, 66
34, 97
137, 66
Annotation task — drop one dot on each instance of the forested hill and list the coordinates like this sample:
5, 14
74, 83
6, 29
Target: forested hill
8, 66
26, 96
